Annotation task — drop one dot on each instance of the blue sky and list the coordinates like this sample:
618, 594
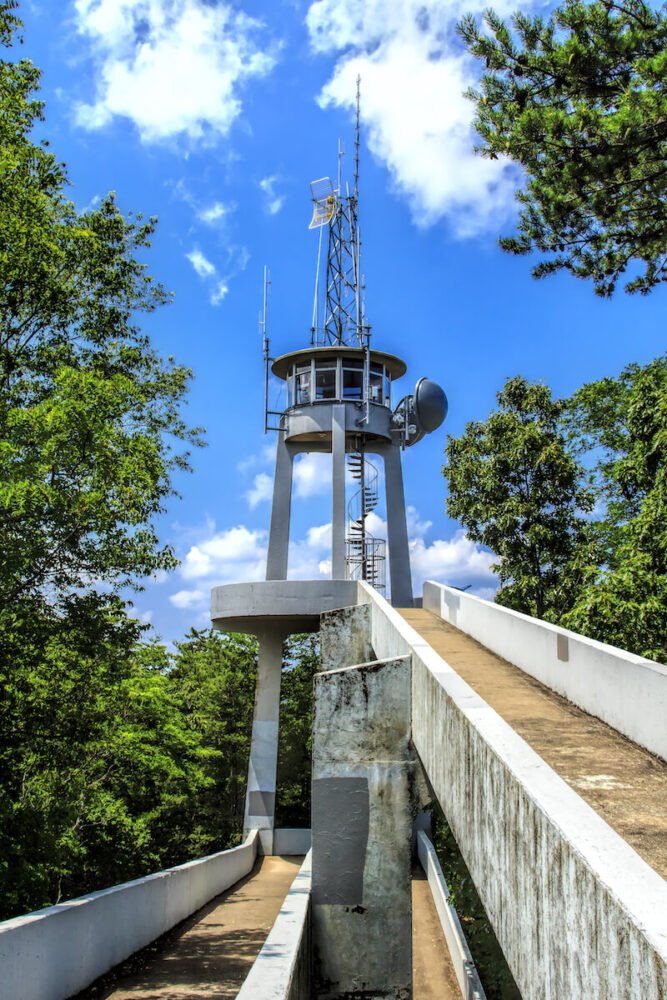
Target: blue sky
215, 117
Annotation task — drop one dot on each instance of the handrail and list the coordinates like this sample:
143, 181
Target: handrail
464, 967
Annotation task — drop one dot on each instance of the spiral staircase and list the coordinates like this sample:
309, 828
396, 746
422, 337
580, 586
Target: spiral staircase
365, 554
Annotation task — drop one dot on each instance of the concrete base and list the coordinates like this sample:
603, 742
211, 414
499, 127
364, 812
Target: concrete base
364, 780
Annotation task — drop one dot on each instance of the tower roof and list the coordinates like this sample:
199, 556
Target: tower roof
281, 366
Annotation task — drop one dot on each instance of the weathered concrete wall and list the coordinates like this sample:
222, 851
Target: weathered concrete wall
363, 808
282, 970
625, 691
576, 910
55, 952
345, 637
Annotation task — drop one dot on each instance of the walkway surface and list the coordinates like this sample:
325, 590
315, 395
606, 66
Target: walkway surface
625, 784
213, 951
210, 955
433, 976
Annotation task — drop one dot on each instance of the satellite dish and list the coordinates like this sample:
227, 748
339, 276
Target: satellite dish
430, 405
422, 412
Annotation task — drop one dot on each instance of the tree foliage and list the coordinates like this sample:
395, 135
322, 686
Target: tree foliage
516, 488
571, 495
580, 101
623, 423
302, 661
88, 409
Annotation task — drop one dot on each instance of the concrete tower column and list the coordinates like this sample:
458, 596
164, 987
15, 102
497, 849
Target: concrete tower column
260, 804
338, 511
397, 528
276, 563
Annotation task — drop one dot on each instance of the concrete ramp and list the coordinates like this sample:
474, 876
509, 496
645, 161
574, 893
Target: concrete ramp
625, 784
211, 954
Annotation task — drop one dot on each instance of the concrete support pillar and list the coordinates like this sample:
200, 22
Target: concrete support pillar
364, 799
260, 804
338, 512
397, 529
276, 562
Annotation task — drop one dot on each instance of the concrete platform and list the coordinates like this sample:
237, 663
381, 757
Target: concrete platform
292, 605
624, 783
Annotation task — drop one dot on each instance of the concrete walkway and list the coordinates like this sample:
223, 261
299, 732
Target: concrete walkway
213, 953
625, 784
433, 976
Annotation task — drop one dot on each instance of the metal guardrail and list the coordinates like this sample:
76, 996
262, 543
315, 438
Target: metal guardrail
464, 967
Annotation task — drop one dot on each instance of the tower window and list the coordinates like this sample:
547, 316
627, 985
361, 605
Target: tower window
303, 384
353, 379
376, 383
325, 380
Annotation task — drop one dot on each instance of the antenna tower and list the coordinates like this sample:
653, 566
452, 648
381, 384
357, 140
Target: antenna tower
343, 312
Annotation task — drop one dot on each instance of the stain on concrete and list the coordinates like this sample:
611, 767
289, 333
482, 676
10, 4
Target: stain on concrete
562, 648
345, 637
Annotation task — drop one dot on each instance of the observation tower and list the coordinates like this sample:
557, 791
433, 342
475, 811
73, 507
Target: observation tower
339, 401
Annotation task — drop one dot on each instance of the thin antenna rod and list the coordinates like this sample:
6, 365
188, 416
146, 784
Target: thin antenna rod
265, 344
356, 140
313, 330
355, 234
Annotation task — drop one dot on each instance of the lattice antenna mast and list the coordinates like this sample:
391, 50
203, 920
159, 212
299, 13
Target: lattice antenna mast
343, 312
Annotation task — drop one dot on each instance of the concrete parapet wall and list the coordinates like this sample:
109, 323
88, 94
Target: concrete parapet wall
575, 909
624, 690
291, 841
53, 953
281, 971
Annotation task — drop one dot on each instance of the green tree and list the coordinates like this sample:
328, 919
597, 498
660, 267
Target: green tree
97, 762
516, 488
213, 679
88, 410
302, 661
621, 424
100, 772
580, 102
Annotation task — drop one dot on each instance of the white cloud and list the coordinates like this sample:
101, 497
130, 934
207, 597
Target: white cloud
188, 598
274, 201
454, 560
201, 264
312, 474
219, 287
414, 72
235, 554
213, 213
219, 293
173, 67
239, 554
261, 490
319, 537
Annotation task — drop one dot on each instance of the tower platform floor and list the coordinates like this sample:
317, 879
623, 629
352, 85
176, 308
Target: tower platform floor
624, 783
